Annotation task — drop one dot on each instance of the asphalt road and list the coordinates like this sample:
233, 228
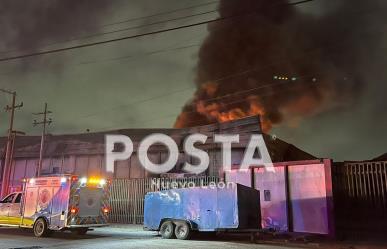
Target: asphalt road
134, 237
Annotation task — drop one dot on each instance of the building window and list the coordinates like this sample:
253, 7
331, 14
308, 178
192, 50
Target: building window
266, 195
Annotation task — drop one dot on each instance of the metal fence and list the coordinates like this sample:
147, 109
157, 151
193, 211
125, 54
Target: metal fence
359, 189
360, 196
127, 195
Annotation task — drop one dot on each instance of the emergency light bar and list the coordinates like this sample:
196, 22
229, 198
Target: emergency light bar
93, 181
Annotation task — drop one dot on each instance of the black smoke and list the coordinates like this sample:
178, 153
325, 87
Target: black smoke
323, 55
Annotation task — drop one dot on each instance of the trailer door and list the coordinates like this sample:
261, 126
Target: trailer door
208, 208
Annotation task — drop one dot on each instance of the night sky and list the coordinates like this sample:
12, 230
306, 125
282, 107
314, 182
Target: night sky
145, 82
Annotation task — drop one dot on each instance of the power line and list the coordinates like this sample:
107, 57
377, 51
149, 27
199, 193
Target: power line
194, 111
101, 42
140, 101
148, 24
129, 20
134, 36
228, 77
237, 74
301, 56
128, 28
145, 54
161, 13
288, 83
124, 57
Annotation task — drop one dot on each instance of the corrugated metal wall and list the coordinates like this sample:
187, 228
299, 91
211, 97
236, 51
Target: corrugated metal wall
94, 165
127, 195
360, 192
82, 165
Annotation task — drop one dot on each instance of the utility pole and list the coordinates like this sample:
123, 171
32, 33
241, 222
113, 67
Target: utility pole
44, 122
10, 142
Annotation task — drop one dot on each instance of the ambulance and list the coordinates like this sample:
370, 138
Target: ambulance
57, 203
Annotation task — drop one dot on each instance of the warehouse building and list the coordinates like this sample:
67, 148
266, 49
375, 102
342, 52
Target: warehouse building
83, 154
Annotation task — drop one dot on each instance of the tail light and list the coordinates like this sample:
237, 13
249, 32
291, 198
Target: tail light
106, 210
73, 210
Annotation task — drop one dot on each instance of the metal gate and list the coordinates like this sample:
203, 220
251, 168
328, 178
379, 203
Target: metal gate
360, 197
127, 195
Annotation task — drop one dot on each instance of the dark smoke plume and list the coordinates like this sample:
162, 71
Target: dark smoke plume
283, 63
29, 25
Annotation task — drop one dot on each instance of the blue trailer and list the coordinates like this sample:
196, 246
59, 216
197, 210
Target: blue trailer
178, 212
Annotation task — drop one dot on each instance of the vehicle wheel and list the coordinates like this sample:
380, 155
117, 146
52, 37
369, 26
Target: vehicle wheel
80, 231
41, 228
167, 230
182, 230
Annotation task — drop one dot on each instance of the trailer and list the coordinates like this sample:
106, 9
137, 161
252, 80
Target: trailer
57, 203
176, 213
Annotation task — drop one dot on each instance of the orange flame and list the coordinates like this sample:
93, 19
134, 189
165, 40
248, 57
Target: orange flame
219, 112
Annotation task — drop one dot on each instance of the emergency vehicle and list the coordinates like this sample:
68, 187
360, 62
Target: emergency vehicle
57, 203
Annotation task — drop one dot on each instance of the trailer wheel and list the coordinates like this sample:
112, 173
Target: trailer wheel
41, 228
167, 230
182, 230
82, 231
